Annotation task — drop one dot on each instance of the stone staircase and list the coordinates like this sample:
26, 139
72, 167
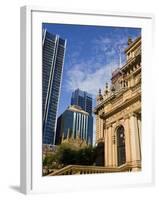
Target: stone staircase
82, 169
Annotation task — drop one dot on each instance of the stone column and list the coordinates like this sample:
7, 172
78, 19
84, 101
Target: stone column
110, 157
132, 80
127, 140
97, 127
135, 146
139, 129
106, 155
101, 128
114, 148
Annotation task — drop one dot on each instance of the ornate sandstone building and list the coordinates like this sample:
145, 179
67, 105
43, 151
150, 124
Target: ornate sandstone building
118, 113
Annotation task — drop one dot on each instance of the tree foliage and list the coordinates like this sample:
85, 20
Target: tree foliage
67, 154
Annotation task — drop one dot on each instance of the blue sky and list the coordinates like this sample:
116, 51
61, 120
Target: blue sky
92, 53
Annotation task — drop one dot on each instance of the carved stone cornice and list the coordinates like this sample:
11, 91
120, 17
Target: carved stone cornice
121, 106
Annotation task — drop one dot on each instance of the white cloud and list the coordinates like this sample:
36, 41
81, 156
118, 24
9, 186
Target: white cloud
82, 76
91, 74
111, 45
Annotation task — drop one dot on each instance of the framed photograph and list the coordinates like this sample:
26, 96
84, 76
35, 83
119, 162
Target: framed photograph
86, 100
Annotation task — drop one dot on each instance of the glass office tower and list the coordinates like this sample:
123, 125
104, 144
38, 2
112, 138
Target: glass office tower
73, 123
53, 51
82, 99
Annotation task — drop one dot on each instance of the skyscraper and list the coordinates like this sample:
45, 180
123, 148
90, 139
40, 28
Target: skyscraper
73, 123
53, 51
82, 99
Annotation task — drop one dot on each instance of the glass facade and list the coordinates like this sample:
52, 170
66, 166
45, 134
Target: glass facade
73, 123
82, 99
53, 51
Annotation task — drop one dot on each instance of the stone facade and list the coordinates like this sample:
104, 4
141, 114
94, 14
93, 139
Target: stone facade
118, 112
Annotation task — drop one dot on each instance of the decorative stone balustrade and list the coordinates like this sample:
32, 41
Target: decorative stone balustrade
81, 169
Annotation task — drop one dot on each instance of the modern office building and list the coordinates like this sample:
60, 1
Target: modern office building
82, 99
74, 123
53, 52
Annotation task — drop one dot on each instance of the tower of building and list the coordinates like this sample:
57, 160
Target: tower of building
53, 52
82, 99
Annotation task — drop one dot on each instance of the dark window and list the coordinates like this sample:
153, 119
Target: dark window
121, 146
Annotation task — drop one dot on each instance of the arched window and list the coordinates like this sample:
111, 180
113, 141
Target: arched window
121, 154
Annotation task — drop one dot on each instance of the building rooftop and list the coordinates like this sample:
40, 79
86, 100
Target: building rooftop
83, 93
76, 108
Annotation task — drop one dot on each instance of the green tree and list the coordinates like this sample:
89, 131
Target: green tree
67, 154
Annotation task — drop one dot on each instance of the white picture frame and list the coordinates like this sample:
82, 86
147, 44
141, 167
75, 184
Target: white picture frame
31, 134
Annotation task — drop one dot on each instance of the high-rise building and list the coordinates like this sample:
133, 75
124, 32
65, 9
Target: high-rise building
82, 99
53, 51
74, 123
